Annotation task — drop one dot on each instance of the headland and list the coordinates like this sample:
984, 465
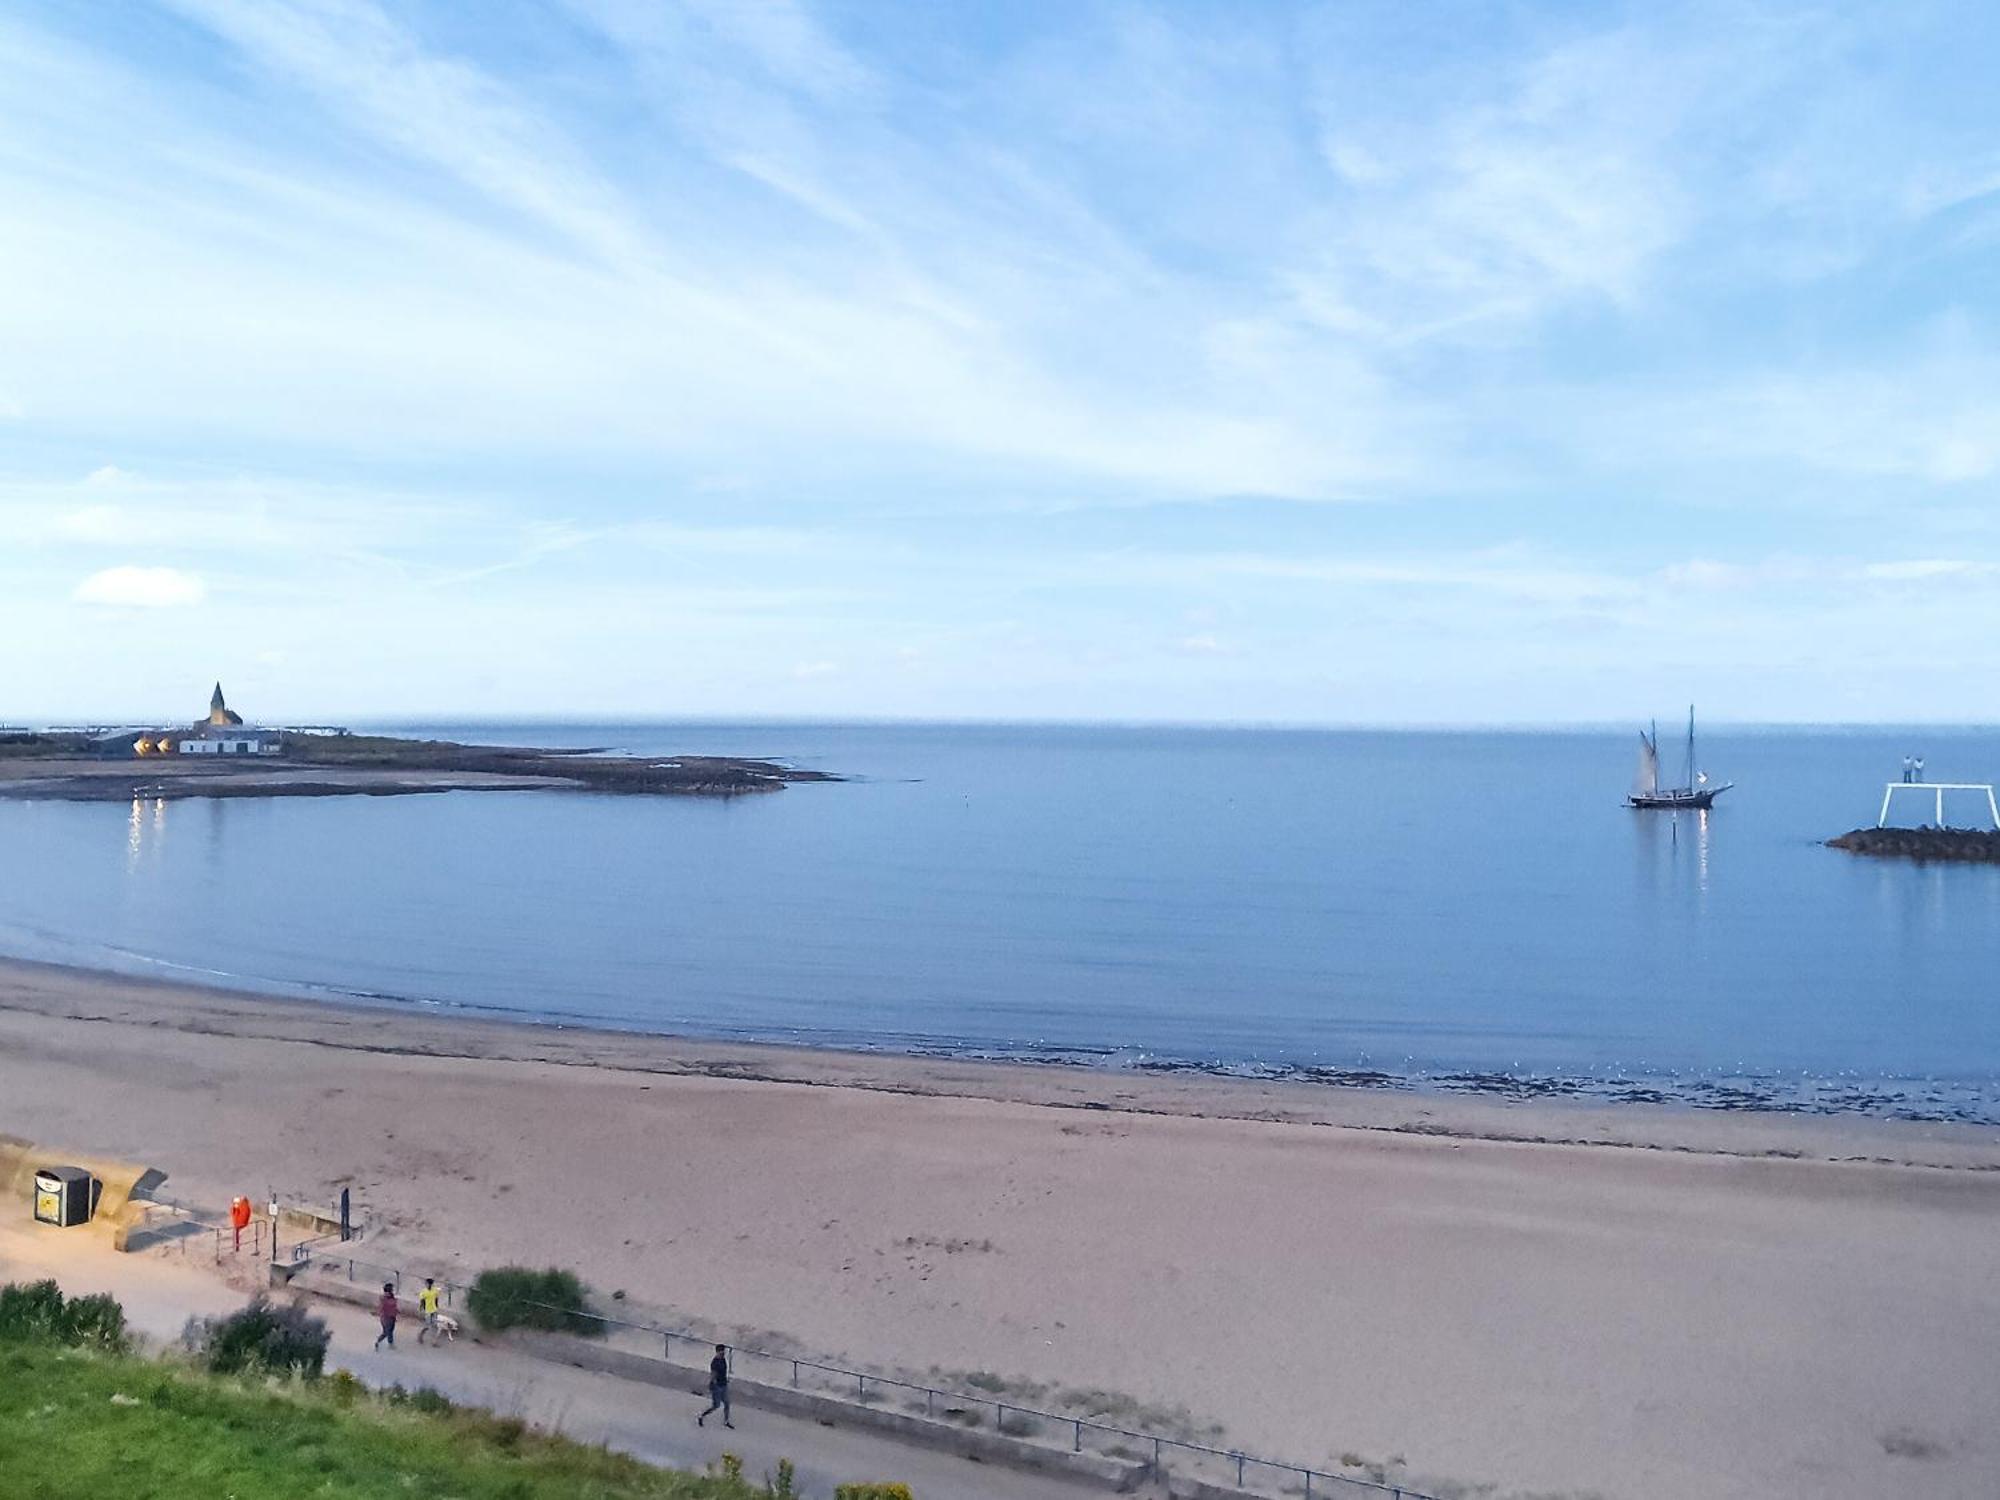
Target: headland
75, 767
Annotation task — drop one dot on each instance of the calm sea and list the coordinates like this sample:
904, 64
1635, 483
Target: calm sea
1470, 910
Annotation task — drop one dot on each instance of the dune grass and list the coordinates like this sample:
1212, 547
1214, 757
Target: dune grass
81, 1424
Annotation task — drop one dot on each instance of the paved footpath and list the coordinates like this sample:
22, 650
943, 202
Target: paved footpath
658, 1425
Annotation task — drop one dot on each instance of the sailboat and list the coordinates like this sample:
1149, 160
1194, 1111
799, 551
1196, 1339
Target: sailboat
1694, 791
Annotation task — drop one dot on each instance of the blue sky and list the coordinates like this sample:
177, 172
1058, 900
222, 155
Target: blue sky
1344, 363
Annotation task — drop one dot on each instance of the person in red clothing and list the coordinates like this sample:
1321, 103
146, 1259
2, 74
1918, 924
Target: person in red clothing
386, 1311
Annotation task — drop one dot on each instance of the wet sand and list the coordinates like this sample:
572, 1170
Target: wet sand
1551, 1298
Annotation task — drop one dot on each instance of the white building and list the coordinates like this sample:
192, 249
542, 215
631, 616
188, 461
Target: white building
230, 742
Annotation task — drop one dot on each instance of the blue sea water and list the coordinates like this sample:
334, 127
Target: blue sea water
1472, 909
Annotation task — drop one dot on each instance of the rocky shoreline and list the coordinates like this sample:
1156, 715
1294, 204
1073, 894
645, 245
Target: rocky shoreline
61, 768
1964, 845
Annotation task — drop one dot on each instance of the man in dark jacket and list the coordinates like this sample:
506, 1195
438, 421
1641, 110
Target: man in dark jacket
718, 1387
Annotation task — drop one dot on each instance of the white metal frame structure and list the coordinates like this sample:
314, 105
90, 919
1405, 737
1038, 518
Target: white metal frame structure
1890, 789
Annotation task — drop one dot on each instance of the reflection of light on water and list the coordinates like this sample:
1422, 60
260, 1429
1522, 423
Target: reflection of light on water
1661, 844
139, 830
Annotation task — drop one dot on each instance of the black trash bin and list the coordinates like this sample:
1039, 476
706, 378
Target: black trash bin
65, 1195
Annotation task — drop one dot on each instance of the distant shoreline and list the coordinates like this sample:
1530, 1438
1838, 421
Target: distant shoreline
61, 767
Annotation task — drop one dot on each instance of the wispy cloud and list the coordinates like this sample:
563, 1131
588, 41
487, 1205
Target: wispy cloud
1041, 342
142, 588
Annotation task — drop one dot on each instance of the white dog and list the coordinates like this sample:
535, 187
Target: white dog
443, 1326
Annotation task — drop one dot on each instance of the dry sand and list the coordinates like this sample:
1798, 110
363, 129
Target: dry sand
1664, 1304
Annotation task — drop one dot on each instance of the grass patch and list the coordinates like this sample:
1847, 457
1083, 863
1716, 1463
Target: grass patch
78, 1423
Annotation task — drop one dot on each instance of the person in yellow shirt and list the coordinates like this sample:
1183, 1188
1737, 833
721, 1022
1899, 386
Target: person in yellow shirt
427, 1304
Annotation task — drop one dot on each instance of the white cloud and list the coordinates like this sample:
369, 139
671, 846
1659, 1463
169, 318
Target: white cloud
1920, 569
141, 588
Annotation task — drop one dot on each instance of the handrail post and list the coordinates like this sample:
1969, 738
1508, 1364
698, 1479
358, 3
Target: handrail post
795, 1374
1079, 1435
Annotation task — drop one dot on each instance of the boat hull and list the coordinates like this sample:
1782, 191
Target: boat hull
1674, 801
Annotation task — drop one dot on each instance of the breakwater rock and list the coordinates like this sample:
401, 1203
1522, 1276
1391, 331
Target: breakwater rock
1962, 844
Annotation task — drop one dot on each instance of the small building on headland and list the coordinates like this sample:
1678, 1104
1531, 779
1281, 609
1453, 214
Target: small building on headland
223, 732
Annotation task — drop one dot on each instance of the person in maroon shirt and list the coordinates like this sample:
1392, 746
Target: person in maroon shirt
386, 1311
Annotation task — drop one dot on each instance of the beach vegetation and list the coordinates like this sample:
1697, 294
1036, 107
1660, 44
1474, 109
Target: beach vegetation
265, 1338
872, 1492
38, 1311
553, 1301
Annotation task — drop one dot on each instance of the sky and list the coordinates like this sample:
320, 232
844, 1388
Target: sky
1294, 363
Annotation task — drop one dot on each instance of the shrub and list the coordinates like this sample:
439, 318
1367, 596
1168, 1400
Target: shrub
431, 1402
275, 1340
785, 1486
39, 1312
517, 1297
97, 1320
31, 1311
872, 1492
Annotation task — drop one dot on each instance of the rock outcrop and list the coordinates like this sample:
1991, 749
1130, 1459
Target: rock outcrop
1963, 844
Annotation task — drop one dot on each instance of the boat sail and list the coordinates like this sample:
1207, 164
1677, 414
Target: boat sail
1646, 780
1694, 790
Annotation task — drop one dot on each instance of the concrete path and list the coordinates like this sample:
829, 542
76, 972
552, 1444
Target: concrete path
160, 1295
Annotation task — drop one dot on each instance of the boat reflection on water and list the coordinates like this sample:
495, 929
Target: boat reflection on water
1674, 847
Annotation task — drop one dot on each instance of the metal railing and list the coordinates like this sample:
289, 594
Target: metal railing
1010, 1418
188, 1234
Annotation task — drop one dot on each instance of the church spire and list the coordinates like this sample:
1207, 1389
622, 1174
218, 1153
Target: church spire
219, 712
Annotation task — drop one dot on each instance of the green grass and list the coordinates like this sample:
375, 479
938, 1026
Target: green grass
176, 1432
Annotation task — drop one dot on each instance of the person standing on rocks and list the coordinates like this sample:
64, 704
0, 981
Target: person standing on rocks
718, 1387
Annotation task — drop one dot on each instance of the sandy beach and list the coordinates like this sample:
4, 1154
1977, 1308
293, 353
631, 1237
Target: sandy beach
1510, 1299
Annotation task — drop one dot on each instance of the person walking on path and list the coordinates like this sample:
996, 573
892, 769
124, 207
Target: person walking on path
718, 1387
427, 1304
385, 1309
